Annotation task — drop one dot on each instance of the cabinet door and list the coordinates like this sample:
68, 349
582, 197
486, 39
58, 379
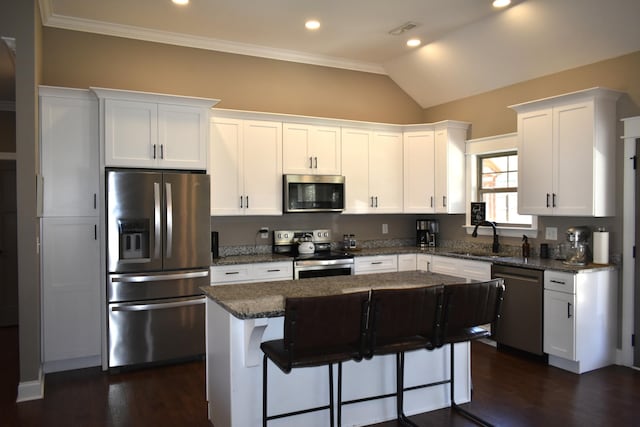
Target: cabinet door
324, 148
296, 158
355, 168
450, 171
70, 288
407, 262
573, 135
69, 154
182, 136
130, 133
262, 167
385, 172
535, 169
225, 166
423, 262
559, 324
419, 184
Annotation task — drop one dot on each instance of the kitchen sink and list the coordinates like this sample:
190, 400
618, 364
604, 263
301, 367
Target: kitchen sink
476, 254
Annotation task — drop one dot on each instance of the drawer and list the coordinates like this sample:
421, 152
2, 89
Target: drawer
376, 264
230, 274
269, 271
560, 281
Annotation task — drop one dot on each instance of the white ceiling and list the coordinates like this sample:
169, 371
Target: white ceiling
469, 47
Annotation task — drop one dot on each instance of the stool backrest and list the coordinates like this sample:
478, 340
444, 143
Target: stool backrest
471, 304
325, 323
402, 315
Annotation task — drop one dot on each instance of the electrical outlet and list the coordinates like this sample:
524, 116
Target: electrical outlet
385, 228
551, 233
264, 232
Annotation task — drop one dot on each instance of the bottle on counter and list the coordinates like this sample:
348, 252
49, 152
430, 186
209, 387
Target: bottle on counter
346, 242
526, 249
352, 241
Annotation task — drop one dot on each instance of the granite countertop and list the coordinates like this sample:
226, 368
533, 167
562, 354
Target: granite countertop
499, 259
266, 299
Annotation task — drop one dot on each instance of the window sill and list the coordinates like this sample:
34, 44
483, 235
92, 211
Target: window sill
503, 231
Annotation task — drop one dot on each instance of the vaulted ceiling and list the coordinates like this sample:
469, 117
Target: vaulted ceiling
468, 47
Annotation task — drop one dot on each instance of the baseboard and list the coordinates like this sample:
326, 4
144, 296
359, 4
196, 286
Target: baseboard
31, 390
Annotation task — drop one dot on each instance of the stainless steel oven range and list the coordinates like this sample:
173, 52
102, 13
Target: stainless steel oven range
312, 254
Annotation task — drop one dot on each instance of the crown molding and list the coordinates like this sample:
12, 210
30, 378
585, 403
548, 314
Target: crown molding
50, 19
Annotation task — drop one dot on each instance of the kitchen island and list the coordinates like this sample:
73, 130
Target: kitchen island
241, 316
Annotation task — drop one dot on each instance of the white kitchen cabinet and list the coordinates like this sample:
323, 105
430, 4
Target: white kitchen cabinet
463, 268
579, 332
449, 167
423, 262
419, 175
71, 285
376, 264
566, 154
246, 167
247, 273
153, 130
372, 166
69, 143
311, 149
407, 262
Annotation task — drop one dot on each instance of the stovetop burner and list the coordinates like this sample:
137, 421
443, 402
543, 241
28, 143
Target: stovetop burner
285, 242
322, 256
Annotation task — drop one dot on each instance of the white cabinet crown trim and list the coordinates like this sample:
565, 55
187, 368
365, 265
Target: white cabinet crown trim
159, 98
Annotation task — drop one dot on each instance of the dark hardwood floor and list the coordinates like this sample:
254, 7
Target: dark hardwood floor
509, 390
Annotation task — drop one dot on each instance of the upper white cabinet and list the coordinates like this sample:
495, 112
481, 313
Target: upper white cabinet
153, 130
372, 166
69, 152
311, 149
245, 167
566, 154
434, 169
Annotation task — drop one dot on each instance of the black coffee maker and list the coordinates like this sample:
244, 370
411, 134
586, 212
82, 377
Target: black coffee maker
427, 233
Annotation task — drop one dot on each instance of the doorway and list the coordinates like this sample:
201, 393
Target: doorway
8, 245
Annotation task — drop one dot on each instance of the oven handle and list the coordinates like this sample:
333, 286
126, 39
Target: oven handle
325, 263
158, 306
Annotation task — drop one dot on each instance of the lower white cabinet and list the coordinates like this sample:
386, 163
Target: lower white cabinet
465, 268
376, 264
407, 262
423, 262
247, 273
70, 256
579, 332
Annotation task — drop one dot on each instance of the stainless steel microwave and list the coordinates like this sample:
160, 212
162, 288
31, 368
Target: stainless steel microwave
313, 193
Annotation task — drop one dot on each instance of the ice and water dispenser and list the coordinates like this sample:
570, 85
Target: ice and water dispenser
134, 238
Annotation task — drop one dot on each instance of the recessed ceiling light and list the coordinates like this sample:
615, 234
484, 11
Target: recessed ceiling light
501, 3
180, 2
413, 42
312, 24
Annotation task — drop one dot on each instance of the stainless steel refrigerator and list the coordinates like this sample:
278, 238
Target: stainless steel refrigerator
158, 255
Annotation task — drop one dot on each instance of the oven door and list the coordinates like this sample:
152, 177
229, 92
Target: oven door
324, 268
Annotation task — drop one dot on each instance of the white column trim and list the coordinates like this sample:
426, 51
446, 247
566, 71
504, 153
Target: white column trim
31, 390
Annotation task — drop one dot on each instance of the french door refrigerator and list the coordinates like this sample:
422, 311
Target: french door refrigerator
158, 255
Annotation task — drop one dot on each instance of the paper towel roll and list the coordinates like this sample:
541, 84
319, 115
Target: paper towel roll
601, 247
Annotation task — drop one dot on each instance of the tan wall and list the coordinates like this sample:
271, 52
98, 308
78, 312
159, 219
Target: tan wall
76, 59
489, 112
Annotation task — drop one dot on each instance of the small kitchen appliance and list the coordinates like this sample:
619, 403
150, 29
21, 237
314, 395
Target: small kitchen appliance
427, 233
312, 253
578, 252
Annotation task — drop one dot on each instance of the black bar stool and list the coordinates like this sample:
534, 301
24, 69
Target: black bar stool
403, 320
467, 306
318, 331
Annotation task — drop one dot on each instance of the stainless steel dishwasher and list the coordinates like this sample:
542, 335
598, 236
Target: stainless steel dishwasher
520, 325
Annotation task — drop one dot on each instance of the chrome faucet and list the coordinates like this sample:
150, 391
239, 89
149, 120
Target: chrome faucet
496, 246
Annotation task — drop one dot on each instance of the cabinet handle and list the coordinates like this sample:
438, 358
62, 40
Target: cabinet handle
162, 151
444, 201
95, 201
548, 200
154, 151
241, 202
316, 162
559, 282
95, 232
371, 205
247, 204
554, 200
376, 201
431, 201
569, 310
310, 162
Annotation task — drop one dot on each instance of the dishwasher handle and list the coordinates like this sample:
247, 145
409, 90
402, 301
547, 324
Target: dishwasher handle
516, 277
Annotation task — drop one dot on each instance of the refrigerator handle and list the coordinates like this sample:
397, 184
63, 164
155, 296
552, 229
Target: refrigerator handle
157, 219
169, 218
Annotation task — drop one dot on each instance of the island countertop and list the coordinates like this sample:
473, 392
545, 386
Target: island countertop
266, 299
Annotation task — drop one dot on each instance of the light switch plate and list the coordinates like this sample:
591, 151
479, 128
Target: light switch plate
551, 233
385, 228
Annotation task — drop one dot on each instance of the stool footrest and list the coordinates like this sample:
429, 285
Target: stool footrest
473, 417
302, 411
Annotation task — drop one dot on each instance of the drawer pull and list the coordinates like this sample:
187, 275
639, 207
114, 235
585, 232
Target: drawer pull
559, 282
275, 270
232, 272
376, 262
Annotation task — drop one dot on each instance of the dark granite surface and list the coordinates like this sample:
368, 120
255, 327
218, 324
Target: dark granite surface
501, 259
266, 299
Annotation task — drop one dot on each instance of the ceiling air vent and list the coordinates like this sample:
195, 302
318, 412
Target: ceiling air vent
403, 28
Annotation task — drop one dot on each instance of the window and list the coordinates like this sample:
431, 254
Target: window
498, 188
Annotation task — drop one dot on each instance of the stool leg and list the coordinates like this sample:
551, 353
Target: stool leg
264, 391
331, 394
339, 394
402, 418
476, 419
